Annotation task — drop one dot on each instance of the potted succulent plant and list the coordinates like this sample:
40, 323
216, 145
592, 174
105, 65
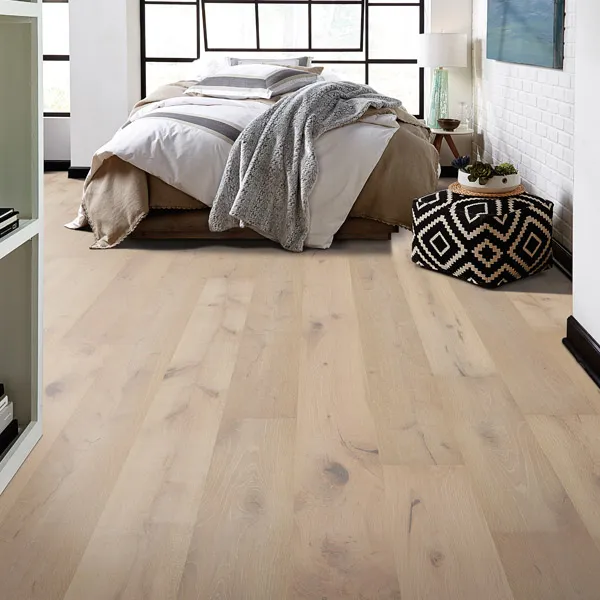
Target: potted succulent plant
487, 178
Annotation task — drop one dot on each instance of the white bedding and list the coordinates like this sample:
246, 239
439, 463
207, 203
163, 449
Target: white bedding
169, 140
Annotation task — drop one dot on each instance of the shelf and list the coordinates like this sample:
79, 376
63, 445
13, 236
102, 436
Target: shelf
18, 8
18, 452
26, 231
21, 256
20, 349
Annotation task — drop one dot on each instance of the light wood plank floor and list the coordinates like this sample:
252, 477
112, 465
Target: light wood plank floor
244, 423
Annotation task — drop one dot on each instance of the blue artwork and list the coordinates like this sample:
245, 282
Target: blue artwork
529, 32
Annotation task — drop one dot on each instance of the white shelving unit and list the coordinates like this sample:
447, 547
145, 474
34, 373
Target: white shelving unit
21, 187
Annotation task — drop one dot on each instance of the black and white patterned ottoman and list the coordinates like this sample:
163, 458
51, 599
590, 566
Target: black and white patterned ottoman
485, 241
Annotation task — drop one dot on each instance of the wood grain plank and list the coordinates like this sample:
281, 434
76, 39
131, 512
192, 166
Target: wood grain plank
145, 530
544, 302
341, 546
411, 426
546, 550
265, 382
74, 284
444, 550
543, 311
240, 545
536, 380
127, 296
572, 444
332, 383
450, 340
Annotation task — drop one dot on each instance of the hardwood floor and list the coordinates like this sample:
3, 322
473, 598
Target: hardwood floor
238, 422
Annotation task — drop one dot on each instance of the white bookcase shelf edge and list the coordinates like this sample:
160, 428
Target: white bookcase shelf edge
19, 8
18, 452
27, 230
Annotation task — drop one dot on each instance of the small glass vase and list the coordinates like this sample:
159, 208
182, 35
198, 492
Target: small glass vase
466, 115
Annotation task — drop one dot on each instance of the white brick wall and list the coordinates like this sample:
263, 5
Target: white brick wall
525, 115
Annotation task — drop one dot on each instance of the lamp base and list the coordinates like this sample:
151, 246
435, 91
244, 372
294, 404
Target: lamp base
439, 98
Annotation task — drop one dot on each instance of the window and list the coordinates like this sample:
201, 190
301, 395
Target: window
367, 41
170, 39
56, 58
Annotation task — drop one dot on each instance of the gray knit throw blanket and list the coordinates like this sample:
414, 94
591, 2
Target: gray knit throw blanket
272, 167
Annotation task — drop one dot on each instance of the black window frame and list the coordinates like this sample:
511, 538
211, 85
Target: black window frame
149, 59
56, 58
202, 36
308, 3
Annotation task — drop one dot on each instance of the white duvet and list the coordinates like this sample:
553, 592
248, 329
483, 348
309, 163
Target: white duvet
185, 142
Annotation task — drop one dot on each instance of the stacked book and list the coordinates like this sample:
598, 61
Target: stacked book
9, 427
9, 220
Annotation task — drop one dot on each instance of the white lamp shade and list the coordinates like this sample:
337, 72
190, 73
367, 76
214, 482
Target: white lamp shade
443, 50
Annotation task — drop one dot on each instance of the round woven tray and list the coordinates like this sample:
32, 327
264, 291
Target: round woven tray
459, 189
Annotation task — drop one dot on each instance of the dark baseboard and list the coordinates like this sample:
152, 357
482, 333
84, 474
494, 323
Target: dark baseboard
584, 348
51, 166
563, 259
449, 172
78, 172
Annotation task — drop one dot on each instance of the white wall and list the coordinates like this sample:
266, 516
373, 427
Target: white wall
586, 252
525, 115
57, 138
105, 71
444, 16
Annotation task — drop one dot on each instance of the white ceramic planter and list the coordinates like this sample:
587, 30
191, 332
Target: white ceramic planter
496, 185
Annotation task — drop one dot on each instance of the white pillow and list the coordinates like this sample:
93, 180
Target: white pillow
252, 81
205, 66
296, 61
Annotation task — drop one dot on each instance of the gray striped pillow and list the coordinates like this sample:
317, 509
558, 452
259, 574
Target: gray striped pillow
252, 81
297, 61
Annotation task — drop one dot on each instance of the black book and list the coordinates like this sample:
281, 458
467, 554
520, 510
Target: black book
9, 229
7, 214
9, 435
9, 220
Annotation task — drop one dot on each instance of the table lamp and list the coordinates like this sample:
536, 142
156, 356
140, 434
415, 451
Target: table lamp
437, 51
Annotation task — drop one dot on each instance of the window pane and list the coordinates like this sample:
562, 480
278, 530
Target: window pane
336, 26
56, 86
55, 28
398, 81
354, 73
230, 25
393, 32
171, 31
283, 26
158, 74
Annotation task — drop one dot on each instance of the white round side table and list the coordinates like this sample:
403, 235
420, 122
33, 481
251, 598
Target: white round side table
441, 135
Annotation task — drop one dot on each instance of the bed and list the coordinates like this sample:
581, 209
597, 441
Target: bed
142, 190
